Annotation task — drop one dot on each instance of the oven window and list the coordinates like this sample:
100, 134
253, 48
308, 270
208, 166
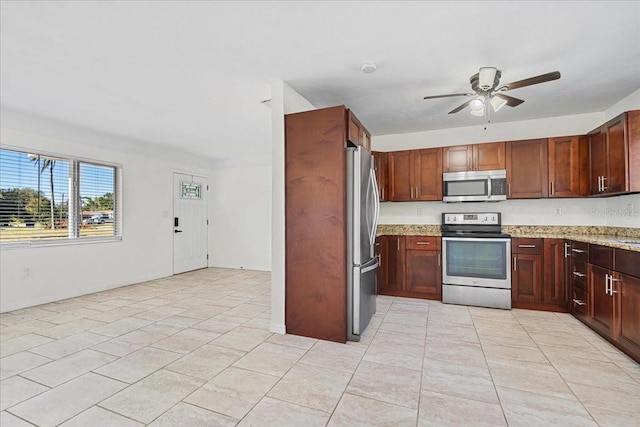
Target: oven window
476, 187
485, 260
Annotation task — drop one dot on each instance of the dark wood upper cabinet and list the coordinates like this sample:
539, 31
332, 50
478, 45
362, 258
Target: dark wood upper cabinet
381, 169
527, 176
400, 175
462, 158
427, 174
614, 156
415, 174
568, 161
356, 132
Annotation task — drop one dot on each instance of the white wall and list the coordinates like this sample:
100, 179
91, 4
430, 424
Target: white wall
613, 211
36, 275
284, 100
240, 230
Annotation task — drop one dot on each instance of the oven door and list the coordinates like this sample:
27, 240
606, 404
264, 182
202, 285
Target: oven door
480, 262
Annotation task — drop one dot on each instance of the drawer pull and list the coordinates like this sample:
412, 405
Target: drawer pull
423, 243
580, 251
578, 302
526, 246
579, 274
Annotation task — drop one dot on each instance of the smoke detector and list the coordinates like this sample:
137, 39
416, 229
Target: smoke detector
369, 67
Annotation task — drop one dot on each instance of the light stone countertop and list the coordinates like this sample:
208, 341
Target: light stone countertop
617, 237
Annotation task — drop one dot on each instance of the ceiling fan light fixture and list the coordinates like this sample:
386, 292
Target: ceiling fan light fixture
477, 104
486, 78
497, 103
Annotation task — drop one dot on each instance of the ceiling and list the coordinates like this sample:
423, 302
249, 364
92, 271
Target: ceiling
192, 75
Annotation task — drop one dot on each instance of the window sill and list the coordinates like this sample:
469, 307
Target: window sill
59, 242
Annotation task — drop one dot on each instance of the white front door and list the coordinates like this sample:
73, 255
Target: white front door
190, 234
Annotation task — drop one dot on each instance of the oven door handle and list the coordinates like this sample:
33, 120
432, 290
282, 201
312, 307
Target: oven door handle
488, 187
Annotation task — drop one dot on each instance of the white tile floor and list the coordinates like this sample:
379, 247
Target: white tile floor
195, 350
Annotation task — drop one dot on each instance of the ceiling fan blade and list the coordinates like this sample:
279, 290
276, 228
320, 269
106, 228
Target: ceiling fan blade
511, 101
554, 75
460, 108
448, 96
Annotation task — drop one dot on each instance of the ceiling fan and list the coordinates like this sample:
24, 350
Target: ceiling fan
488, 91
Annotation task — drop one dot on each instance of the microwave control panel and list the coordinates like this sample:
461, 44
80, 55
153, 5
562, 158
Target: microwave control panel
487, 218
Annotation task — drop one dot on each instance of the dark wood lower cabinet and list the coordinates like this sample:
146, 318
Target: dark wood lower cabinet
423, 273
555, 289
526, 280
628, 329
391, 265
602, 304
410, 267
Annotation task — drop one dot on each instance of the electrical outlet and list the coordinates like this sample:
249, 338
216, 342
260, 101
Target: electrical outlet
419, 212
27, 272
558, 211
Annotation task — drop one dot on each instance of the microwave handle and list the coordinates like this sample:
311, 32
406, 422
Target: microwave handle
489, 187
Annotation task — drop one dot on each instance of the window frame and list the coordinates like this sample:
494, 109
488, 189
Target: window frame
75, 220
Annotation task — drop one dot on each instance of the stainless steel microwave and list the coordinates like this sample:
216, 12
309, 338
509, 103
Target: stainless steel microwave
474, 186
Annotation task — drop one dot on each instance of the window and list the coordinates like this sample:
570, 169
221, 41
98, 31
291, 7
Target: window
45, 198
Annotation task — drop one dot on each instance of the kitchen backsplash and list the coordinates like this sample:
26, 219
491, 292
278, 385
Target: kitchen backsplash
620, 211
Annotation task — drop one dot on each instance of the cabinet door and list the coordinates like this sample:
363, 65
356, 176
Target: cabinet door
628, 295
399, 174
617, 167
601, 301
526, 279
597, 161
527, 175
457, 158
489, 156
554, 291
427, 175
392, 264
354, 129
380, 165
565, 155
423, 272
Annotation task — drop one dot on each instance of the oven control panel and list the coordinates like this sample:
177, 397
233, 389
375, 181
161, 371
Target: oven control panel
486, 218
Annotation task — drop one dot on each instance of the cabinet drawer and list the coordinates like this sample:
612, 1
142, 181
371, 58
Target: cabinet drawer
580, 251
424, 243
579, 275
522, 245
627, 262
579, 303
601, 256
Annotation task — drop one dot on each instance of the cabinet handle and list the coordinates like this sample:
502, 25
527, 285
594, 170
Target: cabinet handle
566, 250
599, 184
423, 243
383, 193
604, 187
580, 251
515, 263
575, 273
551, 188
509, 186
606, 284
398, 242
611, 280
526, 246
578, 302
438, 259
412, 192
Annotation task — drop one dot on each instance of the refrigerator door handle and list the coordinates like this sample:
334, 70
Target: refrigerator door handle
376, 204
371, 267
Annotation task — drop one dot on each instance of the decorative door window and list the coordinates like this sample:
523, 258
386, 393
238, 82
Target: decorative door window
189, 190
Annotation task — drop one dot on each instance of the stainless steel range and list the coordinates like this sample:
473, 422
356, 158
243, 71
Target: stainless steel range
476, 260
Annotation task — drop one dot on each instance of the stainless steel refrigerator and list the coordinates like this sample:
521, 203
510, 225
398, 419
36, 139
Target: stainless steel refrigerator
363, 208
